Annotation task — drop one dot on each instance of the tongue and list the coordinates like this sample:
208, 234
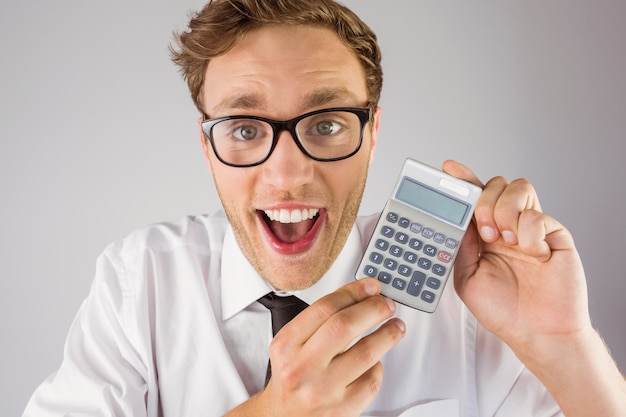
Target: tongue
291, 232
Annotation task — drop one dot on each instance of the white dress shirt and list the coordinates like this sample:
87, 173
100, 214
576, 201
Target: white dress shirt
171, 327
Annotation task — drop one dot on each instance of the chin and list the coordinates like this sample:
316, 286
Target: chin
294, 274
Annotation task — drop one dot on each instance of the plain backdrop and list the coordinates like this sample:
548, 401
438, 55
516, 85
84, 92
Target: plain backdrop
98, 137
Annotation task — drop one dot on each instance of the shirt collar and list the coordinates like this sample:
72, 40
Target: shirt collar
242, 285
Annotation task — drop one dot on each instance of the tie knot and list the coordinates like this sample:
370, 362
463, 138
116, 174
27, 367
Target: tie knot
273, 301
283, 309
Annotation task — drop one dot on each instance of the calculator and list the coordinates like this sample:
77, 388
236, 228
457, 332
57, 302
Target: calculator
417, 236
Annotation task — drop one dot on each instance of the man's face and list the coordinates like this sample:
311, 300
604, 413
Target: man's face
281, 72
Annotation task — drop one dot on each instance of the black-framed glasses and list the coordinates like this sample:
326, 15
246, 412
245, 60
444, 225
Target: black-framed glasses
323, 135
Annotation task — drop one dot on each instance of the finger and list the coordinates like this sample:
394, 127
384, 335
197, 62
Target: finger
518, 196
461, 171
486, 206
304, 325
369, 350
341, 329
364, 389
540, 235
467, 258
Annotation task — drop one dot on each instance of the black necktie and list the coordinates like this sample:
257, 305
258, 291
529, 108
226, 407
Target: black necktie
283, 309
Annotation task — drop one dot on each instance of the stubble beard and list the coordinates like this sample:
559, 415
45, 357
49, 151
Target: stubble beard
312, 269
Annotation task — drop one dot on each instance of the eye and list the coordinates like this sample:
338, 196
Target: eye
246, 132
327, 127
331, 126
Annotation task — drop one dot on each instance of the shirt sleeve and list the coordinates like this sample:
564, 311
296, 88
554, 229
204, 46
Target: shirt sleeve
504, 386
101, 373
528, 397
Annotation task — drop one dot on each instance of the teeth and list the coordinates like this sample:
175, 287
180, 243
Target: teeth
291, 216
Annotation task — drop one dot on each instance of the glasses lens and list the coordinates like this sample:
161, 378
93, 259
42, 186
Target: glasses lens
242, 141
330, 135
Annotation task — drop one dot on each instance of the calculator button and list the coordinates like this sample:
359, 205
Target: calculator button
376, 257
392, 217
390, 264
428, 296
410, 257
439, 270
404, 222
387, 231
416, 284
384, 277
401, 237
415, 244
416, 227
430, 250
444, 256
433, 283
439, 238
370, 271
382, 244
424, 263
428, 233
396, 250
451, 243
399, 283
404, 270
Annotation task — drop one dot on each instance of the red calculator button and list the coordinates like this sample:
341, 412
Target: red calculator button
444, 256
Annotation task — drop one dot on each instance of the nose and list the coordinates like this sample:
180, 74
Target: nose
288, 167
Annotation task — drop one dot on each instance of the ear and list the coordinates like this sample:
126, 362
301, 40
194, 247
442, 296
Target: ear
375, 128
205, 145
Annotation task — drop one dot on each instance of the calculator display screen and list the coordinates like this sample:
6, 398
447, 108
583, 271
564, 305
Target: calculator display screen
432, 201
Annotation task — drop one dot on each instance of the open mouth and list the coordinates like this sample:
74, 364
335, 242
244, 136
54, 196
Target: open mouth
292, 230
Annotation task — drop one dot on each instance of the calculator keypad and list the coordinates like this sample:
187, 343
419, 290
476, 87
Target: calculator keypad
411, 257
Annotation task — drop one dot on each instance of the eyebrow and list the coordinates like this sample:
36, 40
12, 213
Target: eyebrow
328, 95
243, 101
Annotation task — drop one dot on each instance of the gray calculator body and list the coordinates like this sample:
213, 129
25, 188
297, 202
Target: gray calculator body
417, 237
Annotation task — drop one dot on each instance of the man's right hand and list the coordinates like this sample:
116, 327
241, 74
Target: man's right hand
316, 370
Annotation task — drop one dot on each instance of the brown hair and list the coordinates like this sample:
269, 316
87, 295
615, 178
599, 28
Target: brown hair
222, 23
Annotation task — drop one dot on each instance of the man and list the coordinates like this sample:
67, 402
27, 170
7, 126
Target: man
172, 326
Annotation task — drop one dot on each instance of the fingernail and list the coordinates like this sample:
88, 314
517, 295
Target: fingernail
400, 325
371, 287
487, 232
509, 237
391, 304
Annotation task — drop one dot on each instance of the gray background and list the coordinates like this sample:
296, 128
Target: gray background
98, 137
